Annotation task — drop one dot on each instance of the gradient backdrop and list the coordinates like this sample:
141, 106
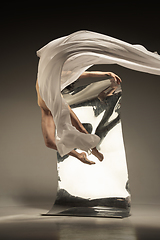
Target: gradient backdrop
27, 168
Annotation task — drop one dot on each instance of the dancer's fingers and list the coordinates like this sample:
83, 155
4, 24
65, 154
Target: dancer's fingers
118, 79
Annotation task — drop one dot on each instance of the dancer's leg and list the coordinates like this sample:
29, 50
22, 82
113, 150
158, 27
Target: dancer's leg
48, 130
78, 125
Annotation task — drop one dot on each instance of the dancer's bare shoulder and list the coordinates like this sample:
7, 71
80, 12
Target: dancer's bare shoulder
40, 101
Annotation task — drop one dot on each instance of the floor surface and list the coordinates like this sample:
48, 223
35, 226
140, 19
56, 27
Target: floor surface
27, 223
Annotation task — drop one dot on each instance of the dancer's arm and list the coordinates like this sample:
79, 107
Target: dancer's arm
88, 74
115, 80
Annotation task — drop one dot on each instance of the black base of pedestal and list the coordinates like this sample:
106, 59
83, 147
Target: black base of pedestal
69, 205
98, 211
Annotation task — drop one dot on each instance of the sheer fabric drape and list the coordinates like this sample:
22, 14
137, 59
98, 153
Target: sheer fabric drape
63, 60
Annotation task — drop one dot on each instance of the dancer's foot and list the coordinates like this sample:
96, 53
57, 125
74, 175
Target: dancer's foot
83, 158
97, 154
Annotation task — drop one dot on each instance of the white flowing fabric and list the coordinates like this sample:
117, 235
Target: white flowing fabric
63, 60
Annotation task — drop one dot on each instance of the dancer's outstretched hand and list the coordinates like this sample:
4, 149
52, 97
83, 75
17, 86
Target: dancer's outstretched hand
115, 79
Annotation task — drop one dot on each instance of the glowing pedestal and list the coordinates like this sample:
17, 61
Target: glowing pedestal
100, 189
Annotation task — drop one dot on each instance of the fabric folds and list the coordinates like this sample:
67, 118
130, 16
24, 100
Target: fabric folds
61, 63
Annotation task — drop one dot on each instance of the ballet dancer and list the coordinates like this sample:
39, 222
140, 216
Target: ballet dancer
49, 128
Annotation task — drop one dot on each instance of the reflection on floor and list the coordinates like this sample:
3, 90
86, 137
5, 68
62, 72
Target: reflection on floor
27, 223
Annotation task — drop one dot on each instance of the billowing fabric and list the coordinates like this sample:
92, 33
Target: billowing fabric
63, 60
